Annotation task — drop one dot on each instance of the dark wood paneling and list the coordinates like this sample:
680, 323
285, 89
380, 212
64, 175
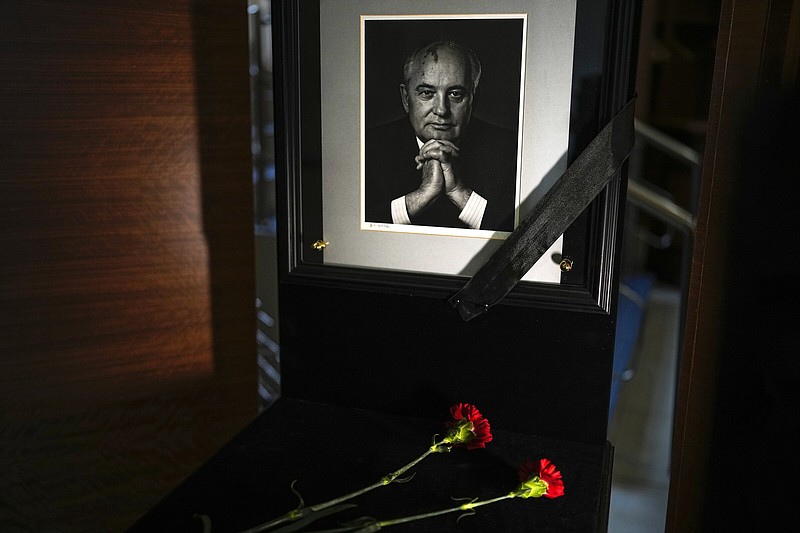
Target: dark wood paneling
127, 336
696, 384
737, 399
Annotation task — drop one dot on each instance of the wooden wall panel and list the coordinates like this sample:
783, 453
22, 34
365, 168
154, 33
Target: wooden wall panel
127, 329
737, 400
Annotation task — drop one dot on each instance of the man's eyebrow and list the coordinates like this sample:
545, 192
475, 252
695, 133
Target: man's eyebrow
429, 86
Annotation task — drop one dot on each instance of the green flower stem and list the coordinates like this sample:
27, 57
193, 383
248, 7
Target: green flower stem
462, 507
385, 480
301, 512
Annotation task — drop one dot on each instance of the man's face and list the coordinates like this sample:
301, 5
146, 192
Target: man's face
438, 98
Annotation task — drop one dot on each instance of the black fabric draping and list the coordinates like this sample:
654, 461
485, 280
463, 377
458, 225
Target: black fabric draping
551, 216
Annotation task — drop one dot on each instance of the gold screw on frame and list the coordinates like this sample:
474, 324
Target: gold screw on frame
320, 245
566, 264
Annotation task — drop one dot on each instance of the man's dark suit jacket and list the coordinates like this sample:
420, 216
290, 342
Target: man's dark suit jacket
487, 164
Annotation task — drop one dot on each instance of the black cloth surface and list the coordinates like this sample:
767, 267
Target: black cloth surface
332, 450
487, 164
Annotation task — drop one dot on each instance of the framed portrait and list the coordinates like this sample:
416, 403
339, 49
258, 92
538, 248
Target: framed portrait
412, 137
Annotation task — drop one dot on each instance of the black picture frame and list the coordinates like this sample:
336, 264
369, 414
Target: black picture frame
601, 85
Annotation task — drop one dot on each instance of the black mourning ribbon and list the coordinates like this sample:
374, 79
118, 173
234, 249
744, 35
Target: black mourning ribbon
551, 216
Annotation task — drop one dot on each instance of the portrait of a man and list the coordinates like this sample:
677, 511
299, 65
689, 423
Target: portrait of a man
439, 163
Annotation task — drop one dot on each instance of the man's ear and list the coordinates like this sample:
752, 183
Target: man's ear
476, 97
404, 96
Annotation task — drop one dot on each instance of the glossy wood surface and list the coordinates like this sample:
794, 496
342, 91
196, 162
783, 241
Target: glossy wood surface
127, 337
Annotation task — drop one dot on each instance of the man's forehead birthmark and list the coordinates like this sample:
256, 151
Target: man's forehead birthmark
431, 55
433, 52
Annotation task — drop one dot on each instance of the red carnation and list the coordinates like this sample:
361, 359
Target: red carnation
468, 428
531, 480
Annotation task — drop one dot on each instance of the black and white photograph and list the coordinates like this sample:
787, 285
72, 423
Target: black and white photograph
440, 124
442, 121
